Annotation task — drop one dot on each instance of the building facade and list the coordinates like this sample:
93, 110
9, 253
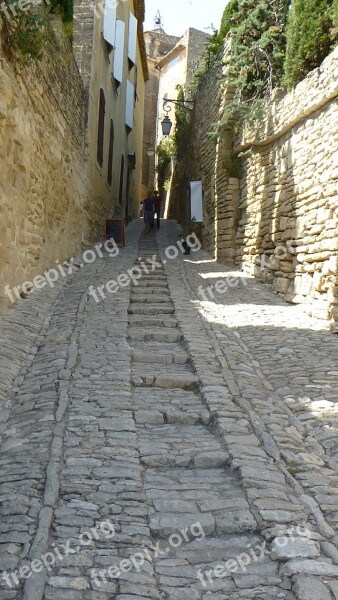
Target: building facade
158, 44
176, 71
70, 141
110, 52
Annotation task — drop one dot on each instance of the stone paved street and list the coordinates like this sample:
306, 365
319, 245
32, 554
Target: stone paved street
169, 441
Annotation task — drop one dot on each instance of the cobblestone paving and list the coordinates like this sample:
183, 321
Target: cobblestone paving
158, 446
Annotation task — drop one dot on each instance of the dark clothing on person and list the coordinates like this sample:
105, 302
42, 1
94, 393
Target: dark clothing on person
157, 210
157, 204
148, 205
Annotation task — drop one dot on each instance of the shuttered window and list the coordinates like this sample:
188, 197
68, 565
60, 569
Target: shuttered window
121, 180
109, 19
130, 105
100, 133
119, 51
111, 154
132, 38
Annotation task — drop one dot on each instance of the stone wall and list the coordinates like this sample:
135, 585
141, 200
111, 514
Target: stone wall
45, 212
278, 217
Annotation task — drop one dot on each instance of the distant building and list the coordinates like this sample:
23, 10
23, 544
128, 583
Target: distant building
172, 62
110, 52
158, 44
177, 69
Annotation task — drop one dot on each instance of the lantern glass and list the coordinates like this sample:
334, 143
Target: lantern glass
166, 126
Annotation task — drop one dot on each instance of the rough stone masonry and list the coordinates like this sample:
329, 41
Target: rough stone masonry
159, 445
271, 194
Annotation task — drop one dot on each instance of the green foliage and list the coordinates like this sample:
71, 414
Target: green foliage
310, 37
28, 32
65, 9
256, 62
182, 124
165, 150
233, 166
26, 35
214, 44
335, 14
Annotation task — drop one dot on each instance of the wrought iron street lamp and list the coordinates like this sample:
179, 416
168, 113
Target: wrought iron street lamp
167, 123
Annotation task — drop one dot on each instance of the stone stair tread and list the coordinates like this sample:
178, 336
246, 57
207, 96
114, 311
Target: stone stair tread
164, 358
154, 309
149, 298
146, 321
158, 334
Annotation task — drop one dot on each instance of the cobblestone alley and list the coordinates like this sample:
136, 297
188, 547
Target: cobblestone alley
173, 440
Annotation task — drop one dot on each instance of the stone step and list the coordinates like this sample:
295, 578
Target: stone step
149, 298
178, 445
149, 379
150, 290
153, 284
174, 406
155, 277
165, 321
154, 309
156, 334
163, 358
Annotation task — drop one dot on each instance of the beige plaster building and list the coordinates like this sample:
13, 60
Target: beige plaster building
177, 70
158, 44
172, 62
70, 141
110, 51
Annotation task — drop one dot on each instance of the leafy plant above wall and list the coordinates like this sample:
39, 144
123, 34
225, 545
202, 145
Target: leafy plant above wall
311, 35
182, 124
165, 150
27, 32
256, 59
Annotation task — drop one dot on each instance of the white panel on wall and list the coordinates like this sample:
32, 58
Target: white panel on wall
196, 201
130, 105
132, 38
109, 19
119, 50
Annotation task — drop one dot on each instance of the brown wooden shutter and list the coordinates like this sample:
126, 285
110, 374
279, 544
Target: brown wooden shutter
111, 153
100, 134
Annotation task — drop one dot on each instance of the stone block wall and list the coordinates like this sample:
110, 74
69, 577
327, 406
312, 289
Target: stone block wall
287, 230
45, 209
277, 217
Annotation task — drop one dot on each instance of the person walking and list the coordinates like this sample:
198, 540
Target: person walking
148, 211
157, 208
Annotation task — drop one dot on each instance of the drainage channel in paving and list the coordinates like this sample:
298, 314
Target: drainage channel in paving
198, 514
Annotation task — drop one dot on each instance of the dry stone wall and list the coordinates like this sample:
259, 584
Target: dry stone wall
279, 218
45, 210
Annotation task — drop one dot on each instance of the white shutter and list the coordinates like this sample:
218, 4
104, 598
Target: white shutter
196, 198
119, 51
130, 105
132, 38
109, 19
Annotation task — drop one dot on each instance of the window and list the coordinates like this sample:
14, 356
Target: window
100, 134
132, 38
119, 51
111, 154
109, 19
130, 105
135, 84
121, 181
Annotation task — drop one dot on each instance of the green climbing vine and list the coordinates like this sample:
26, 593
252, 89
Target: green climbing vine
27, 32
